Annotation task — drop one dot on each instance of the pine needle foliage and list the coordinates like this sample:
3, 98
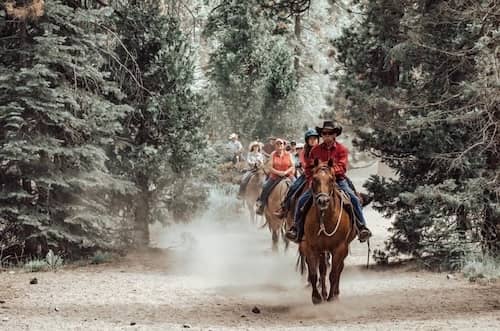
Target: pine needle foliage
163, 136
251, 70
56, 123
421, 81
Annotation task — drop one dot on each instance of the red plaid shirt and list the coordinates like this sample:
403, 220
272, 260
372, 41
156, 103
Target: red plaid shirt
337, 152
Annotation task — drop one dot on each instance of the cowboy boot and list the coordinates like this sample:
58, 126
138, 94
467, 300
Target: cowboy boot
260, 207
292, 233
295, 232
366, 199
364, 233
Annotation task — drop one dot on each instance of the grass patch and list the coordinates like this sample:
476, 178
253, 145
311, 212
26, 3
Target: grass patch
482, 267
36, 265
100, 257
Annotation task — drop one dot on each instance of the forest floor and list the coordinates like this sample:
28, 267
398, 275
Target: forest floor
211, 274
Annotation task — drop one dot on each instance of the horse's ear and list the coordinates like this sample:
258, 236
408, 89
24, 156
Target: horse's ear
330, 163
316, 162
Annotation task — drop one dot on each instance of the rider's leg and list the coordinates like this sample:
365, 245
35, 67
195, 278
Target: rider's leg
290, 194
266, 190
297, 229
293, 190
365, 198
364, 232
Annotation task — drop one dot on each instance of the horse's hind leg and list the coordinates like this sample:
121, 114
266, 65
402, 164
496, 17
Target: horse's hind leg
337, 266
312, 267
283, 236
275, 240
252, 212
322, 274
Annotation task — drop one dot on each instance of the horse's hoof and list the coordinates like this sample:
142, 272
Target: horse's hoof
316, 299
333, 298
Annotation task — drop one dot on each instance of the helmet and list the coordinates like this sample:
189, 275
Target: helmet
310, 133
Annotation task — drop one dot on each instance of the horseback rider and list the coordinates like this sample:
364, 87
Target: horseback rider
298, 155
311, 138
255, 159
281, 165
268, 147
235, 148
328, 149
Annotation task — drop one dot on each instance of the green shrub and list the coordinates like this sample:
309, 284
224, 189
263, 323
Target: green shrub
101, 257
36, 265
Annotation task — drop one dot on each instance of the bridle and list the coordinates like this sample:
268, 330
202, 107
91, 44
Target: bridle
329, 200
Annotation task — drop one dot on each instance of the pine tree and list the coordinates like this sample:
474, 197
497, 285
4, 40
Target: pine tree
56, 122
419, 78
162, 137
251, 70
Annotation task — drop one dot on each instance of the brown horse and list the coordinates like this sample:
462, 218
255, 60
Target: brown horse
273, 204
253, 191
328, 228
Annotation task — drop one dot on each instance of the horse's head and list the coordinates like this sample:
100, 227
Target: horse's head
261, 172
323, 183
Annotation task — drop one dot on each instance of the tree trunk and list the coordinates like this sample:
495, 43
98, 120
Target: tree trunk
142, 205
298, 53
491, 232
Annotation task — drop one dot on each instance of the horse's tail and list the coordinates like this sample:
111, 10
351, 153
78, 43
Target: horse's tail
300, 266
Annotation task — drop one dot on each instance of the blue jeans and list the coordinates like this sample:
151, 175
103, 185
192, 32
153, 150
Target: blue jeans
344, 186
266, 189
299, 213
293, 190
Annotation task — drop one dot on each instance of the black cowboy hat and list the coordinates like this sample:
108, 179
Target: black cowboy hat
330, 125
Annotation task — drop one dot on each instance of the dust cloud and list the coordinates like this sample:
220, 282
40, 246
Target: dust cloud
224, 251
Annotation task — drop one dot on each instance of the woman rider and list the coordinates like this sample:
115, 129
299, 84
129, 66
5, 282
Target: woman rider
254, 160
311, 138
281, 165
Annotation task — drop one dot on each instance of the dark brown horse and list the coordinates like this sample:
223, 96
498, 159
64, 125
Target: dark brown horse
328, 228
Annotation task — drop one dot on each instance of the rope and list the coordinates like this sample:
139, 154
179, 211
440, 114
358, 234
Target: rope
368, 257
322, 224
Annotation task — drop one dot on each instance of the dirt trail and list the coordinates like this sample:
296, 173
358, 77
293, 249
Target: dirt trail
210, 274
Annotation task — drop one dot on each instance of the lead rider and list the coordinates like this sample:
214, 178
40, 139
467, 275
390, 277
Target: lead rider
329, 149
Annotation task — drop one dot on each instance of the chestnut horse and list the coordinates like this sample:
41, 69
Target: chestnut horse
276, 224
328, 228
253, 190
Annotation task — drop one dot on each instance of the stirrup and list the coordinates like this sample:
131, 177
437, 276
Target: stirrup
364, 234
260, 209
293, 236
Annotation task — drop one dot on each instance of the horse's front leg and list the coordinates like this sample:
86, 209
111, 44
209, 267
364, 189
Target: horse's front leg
251, 210
322, 274
337, 266
312, 266
275, 238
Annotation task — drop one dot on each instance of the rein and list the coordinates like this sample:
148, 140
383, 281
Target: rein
322, 228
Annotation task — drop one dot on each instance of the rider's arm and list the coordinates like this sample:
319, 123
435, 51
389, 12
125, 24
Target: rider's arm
251, 160
309, 161
340, 166
271, 166
291, 170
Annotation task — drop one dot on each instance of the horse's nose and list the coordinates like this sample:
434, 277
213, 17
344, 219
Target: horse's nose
323, 201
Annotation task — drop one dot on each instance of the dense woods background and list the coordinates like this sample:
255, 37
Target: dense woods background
109, 116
